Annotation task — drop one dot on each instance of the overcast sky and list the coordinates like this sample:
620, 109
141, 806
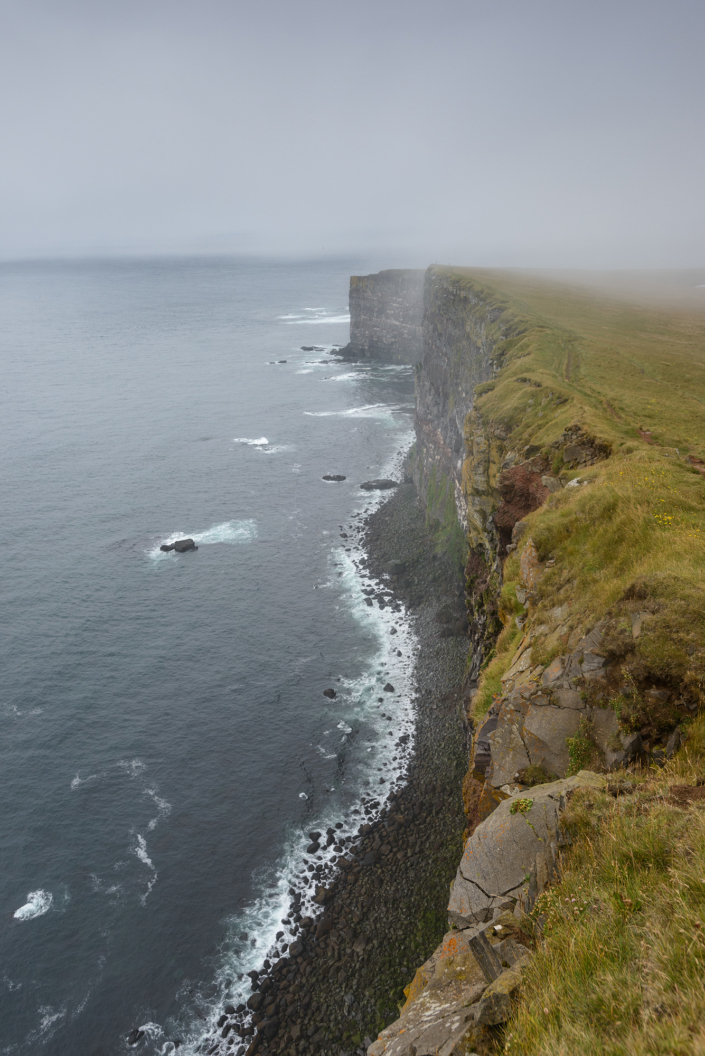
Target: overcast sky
490, 132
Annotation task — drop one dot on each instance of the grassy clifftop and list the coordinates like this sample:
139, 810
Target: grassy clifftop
632, 538
619, 967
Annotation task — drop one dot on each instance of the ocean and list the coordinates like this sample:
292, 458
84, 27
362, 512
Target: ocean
167, 747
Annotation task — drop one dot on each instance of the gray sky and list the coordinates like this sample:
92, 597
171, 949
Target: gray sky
491, 132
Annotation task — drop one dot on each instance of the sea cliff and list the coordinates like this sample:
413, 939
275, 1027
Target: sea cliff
386, 311
551, 431
537, 886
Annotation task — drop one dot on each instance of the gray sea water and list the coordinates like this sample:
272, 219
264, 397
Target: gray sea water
165, 743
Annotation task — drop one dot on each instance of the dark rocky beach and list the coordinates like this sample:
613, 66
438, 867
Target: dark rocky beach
385, 911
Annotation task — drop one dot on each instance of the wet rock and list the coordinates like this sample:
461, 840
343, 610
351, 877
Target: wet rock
379, 485
389, 688
330, 693
134, 1036
180, 546
334, 477
395, 568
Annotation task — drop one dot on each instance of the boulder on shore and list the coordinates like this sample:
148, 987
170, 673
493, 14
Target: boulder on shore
379, 485
180, 546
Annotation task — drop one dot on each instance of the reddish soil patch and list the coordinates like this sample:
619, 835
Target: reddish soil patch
645, 434
521, 492
685, 794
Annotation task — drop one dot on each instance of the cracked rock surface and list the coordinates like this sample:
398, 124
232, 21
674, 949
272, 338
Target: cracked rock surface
516, 845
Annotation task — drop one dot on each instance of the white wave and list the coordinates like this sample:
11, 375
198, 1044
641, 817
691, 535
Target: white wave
77, 781
324, 753
163, 808
12, 709
133, 767
307, 371
302, 795
260, 442
344, 727
141, 852
38, 903
152, 1030
320, 319
344, 377
48, 1017
275, 449
368, 410
227, 532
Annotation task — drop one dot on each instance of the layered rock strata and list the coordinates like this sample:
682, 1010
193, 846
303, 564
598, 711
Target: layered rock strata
386, 311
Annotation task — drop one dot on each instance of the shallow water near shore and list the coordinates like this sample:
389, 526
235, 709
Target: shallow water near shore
166, 744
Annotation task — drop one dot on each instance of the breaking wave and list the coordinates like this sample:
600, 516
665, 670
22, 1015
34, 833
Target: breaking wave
38, 903
227, 532
369, 410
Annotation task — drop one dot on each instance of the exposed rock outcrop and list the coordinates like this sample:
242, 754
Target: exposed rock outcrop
180, 546
469, 981
386, 311
510, 857
451, 1001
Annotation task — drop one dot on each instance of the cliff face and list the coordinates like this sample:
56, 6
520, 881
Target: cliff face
532, 443
458, 458
386, 312
460, 333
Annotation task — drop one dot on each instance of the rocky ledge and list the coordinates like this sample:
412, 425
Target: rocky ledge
468, 983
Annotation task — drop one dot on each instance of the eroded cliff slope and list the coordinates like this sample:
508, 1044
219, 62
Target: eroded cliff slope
563, 432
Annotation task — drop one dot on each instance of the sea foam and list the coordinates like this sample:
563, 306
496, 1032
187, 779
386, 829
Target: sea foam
38, 903
226, 532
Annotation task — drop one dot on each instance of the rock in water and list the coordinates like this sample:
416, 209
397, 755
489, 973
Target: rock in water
334, 476
330, 693
379, 485
180, 546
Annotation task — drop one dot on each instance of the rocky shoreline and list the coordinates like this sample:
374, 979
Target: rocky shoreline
384, 914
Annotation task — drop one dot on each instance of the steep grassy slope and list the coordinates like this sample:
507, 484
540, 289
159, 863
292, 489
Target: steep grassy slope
620, 966
632, 380
620, 970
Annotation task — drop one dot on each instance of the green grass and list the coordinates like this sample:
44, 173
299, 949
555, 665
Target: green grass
620, 969
633, 539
